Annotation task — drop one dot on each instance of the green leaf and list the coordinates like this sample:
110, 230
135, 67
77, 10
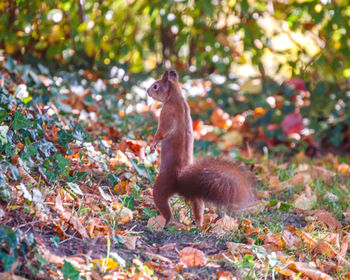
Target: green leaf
20, 121
3, 131
62, 162
285, 207
69, 272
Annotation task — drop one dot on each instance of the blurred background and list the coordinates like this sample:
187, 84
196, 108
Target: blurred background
283, 65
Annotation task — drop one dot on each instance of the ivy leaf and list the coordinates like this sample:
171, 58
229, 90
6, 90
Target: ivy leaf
3, 132
69, 272
62, 162
20, 121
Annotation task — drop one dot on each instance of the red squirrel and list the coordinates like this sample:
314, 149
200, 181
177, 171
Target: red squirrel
221, 182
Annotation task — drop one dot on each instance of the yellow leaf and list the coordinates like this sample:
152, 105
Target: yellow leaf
108, 263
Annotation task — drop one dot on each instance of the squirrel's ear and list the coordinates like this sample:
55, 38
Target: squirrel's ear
165, 80
174, 76
165, 76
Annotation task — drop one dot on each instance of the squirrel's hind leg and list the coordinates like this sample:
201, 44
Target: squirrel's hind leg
161, 197
198, 210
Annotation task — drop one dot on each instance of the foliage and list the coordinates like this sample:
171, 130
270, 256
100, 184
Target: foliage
307, 38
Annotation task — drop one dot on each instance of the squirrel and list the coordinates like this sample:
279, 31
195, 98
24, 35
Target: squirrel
220, 182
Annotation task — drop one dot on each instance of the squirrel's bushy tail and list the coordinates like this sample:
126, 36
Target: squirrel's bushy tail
222, 182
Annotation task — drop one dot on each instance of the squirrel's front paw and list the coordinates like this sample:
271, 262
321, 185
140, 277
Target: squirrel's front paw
153, 147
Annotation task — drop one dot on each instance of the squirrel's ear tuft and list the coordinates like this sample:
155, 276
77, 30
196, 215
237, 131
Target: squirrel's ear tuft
173, 75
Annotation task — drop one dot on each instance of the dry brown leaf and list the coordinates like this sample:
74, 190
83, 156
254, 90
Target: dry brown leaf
342, 261
27, 179
158, 258
184, 216
322, 173
309, 271
157, 223
292, 241
72, 218
59, 207
324, 248
168, 247
225, 224
308, 240
301, 178
9, 276
283, 271
304, 202
97, 228
208, 219
125, 215
137, 147
274, 241
225, 275
328, 219
274, 183
347, 214
119, 159
239, 248
130, 242
192, 257
78, 226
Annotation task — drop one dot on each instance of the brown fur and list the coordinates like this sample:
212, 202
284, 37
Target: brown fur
218, 181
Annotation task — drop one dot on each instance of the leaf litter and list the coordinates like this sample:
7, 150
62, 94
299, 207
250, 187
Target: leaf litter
76, 193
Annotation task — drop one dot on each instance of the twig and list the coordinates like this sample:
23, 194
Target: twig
38, 169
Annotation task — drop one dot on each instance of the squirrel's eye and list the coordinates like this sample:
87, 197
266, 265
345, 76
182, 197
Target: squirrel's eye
155, 86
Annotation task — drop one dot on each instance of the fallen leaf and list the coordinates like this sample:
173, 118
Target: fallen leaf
125, 215
274, 183
107, 263
308, 240
225, 275
78, 226
324, 248
157, 223
130, 242
184, 216
119, 159
292, 241
309, 271
347, 214
72, 218
301, 178
27, 178
192, 257
159, 258
225, 224
283, 271
9, 276
274, 241
328, 219
305, 203
322, 173
137, 147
